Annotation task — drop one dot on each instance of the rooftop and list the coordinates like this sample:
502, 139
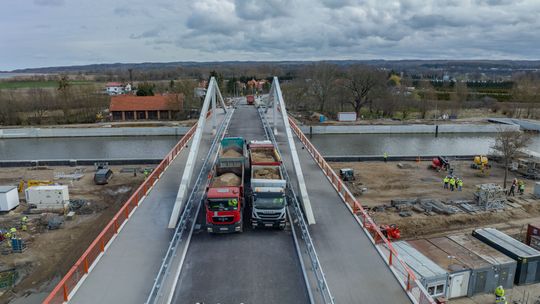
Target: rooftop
508, 242
146, 103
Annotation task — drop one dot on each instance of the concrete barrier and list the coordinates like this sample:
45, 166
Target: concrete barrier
397, 129
361, 158
91, 132
77, 162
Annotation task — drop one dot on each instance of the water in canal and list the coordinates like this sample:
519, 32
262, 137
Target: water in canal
329, 144
86, 148
409, 144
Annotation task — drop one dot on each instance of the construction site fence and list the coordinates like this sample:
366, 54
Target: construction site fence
403, 273
63, 290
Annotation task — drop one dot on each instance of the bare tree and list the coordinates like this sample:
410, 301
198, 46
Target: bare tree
429, 96
459, 96
362, 82
508, 144
39, 103
321, 85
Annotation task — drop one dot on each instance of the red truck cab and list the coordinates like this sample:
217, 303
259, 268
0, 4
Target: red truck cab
250, 99
224, 209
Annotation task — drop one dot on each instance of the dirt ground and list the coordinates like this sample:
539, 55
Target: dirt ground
383, 182
51, 253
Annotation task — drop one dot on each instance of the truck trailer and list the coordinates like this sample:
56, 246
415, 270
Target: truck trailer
224, 200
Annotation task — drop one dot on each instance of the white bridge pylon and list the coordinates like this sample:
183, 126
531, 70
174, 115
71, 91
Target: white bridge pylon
276, 99
212, 93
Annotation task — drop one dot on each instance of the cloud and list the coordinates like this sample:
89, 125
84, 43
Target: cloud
261, 10
49, 2
268, 29
153, 33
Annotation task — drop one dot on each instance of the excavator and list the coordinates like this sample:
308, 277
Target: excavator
32, 183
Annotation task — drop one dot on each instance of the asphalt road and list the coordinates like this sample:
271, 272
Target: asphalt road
256, 266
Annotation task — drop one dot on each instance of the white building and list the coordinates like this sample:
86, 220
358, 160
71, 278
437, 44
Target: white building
117, 88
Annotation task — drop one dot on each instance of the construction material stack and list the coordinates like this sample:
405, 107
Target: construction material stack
268, 199
490, 197
225, 193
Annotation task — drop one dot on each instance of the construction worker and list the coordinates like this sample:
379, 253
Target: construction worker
146, 173
512, 188
11, 233
452, 183
459, 184
24, 223
446, 180
521, 187
385, 156
499, 295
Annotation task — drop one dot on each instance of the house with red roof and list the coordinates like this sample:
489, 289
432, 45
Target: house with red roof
159, 107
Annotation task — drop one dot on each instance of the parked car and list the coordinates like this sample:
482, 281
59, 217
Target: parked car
102, 176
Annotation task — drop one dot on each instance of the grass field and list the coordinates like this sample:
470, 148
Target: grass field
26, 84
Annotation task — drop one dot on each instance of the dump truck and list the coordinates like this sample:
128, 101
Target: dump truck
250, 99
224, 199
263, 152
268, 196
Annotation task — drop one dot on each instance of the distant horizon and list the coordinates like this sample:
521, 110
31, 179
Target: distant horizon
22, 70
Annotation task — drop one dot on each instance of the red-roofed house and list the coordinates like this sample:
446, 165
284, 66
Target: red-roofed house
160, 107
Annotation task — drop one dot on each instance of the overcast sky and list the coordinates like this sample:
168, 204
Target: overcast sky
37, 33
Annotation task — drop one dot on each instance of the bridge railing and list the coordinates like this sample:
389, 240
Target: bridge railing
62, 292
404, 274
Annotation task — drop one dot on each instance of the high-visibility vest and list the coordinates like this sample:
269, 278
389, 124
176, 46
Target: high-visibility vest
499, 291
460, 183
452, 181
446, 180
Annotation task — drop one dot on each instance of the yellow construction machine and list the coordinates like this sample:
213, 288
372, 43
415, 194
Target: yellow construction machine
481, 162
33, 183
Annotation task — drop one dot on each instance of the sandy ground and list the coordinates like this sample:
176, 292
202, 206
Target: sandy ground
50, 253
386, 181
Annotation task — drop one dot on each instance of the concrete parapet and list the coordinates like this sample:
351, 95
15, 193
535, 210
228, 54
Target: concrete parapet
397, 129
91, 132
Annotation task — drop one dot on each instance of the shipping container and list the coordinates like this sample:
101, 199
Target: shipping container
503, 267
9, 198
346, 116
458, 273
533, 236
431, 275
51, 198
528, 259
481, 270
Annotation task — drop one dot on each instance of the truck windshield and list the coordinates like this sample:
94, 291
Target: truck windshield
223, 204
269, 202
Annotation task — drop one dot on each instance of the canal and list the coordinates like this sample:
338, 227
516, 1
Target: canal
328, 144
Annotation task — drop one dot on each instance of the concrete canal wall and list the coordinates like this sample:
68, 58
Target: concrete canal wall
396, 129
91, 132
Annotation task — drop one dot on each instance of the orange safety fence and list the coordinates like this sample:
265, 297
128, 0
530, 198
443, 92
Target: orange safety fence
63, 289
399, 267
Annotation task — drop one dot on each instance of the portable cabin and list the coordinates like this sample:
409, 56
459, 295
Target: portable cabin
458, 273
503, 266
431, 275
533, 235
528, 259
481, 270
9, 198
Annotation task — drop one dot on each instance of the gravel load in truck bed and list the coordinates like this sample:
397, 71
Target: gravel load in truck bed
262, 156
267, 173
231, 153
226, 180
